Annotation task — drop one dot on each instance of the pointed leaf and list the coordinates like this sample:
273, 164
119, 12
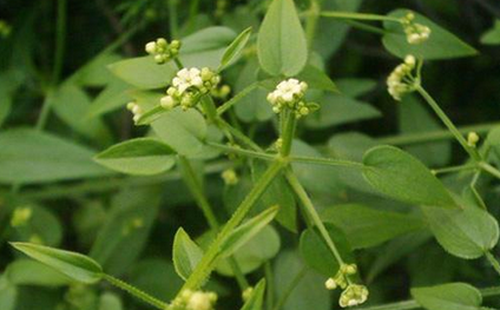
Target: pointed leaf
451, 296
186, 254
76, 266
256, 299
399, 175
281, 43
142, 156
234, 50
144, 72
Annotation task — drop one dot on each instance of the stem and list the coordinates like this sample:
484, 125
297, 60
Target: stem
490, 169
206, 264
239, 135
312, 22
448, 123
173, 20
359, 16
365, 27
60, 40
136, 292
286, 294
455, 169
228, 104
433, 136
244, 152
326, 161
412, 304
288, 132
270, 285
311, 212
196, 190
493, 261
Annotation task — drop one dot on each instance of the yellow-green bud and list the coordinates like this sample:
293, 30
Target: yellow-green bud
21, 216
472, 139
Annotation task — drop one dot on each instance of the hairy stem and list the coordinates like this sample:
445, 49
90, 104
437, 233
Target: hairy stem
493, 261
136, 292
359, 16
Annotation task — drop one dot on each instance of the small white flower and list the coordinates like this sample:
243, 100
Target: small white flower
201, 301
330, 284
151, 47
167, 102
397, 86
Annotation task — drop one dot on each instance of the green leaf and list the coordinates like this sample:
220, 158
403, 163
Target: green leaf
156, 276
278, 193
246, 232
317, 254
95, 73
206, 47
76, 266
125, 232
144, 72
30, 156
234, 50
450, 296
466, 233
317, 79
113, 97
256, 299
30, 272
182, 130
440, 45
110, 301
365, 227
253, 254
492, 36
186, 254
399, 175
8, 294
141, 156
281, 42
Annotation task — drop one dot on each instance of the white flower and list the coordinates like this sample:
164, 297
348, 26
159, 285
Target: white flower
415, 33
290, 94
397, 86
353, 295
330, 284
201, 301
167, 102
290, 89
187, 78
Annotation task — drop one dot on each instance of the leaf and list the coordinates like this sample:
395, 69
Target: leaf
76, 266
450, 296
318, 255
466, 233
30, 272
110, 301
278, 193
281, 42
234, 50
492, 36
29, 156
399, 175
317, 79
156, 276
182, 130
354, 87
256, 299
8, 294
308, 286
141, 156
95, 72
337, 109
440, 45
71, 104
123, 236
186, 254
261, 248
144, 72
246, 232
113, 97
365, 227
206, 47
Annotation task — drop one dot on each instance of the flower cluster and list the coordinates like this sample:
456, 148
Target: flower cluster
472, 139
400, 81
198, 300
290, 94
5, 29
352, 294
136, 110
415, 33
162, 50
188, 86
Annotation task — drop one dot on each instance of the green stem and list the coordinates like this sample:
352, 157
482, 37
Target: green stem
412, 304
206, 264
244, 152
359, 16
460, 168
312, 22
240, 136
365, 27
270, 285
326, 162
311, 212
490, 169
136, 292
60, 40
433, 136
196, 190
288, 132
228, 104
290, 288
173, 19
448, 123
493, 261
